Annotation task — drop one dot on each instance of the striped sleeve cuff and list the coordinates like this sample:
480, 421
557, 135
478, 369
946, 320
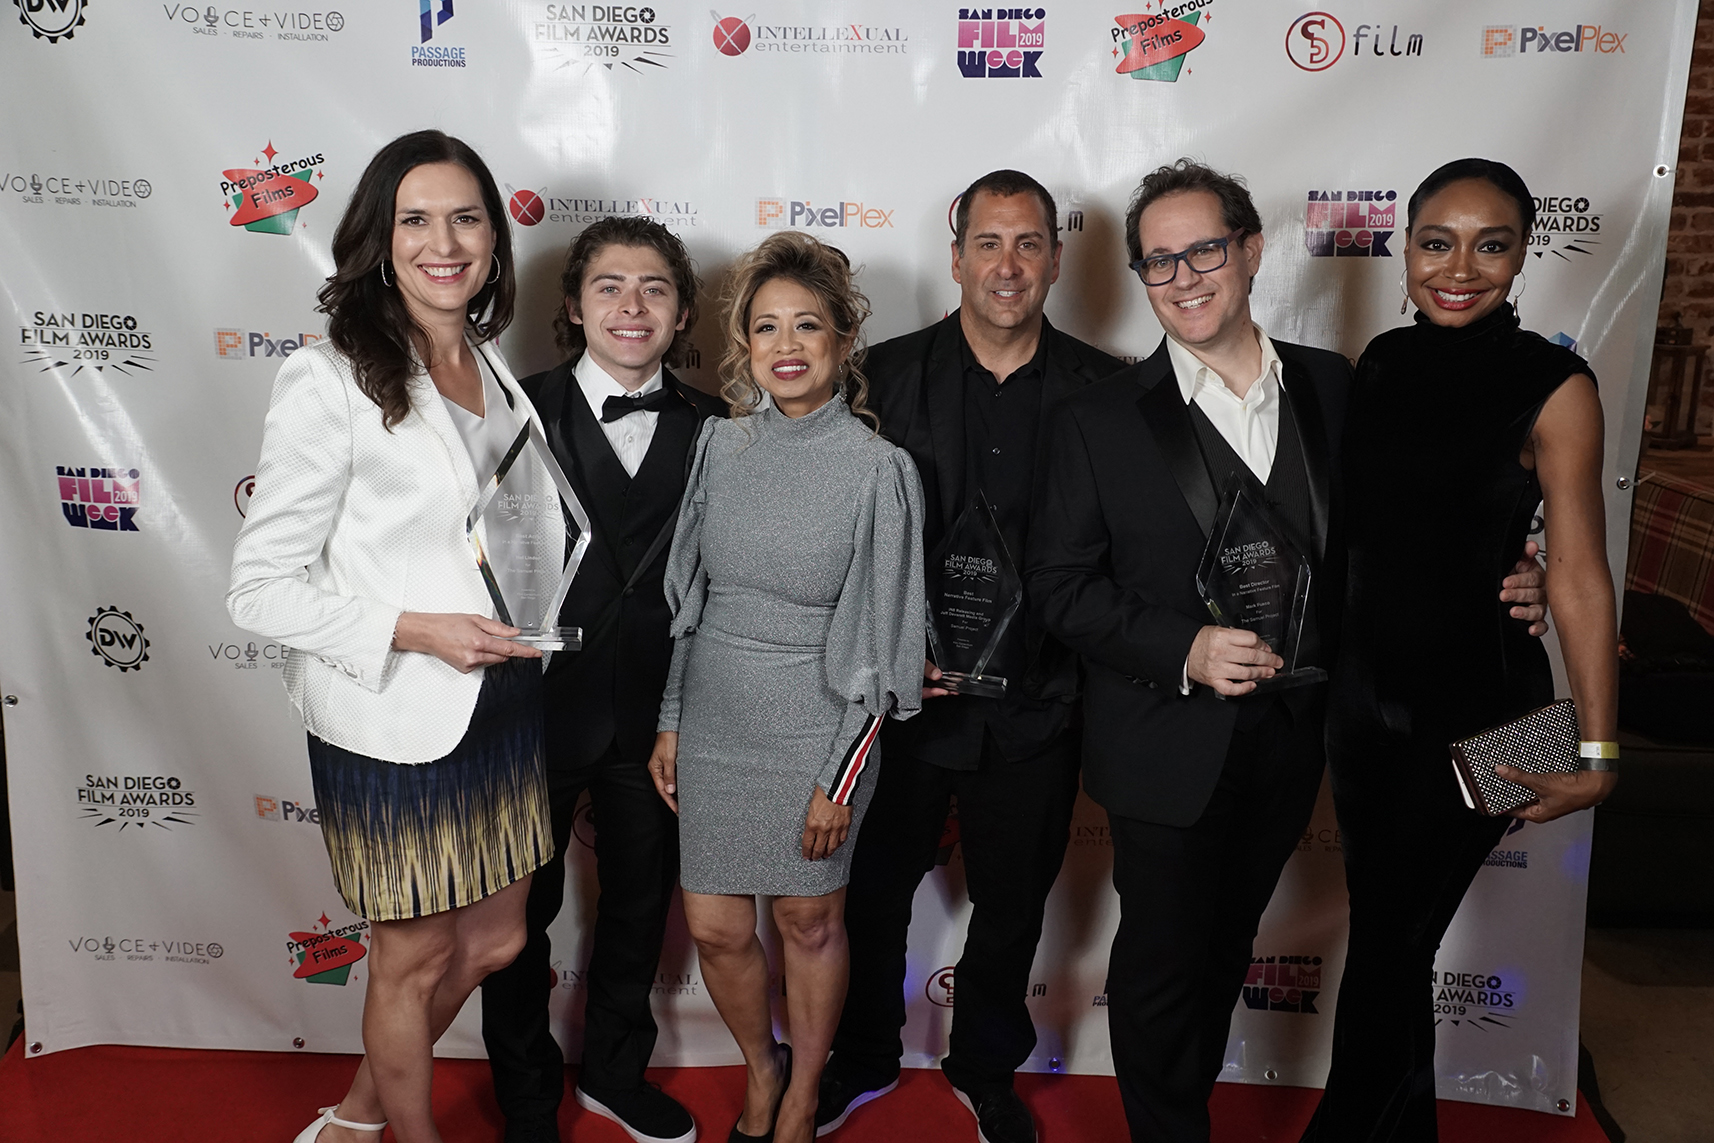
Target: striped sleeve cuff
855, 762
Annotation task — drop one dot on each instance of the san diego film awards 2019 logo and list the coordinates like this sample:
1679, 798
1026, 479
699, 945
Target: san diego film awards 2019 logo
142, 800
587, 36
56, 339
51, 20
325, 953
265, 199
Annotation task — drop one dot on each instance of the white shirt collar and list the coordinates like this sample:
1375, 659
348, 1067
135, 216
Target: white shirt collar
598, 384
1193, 374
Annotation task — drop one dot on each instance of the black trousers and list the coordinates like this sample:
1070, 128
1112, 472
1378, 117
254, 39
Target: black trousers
1014, 821
1412, 848
636, 860
1190, 899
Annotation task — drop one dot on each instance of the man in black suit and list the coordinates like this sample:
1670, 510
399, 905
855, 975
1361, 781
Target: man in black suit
1208, 784
622, 427
965, 397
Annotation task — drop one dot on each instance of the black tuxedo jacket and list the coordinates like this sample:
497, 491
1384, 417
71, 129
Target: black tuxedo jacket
916, 387
1120, 524
611, 689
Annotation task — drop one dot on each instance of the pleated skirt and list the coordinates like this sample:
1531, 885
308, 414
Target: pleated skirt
410, 840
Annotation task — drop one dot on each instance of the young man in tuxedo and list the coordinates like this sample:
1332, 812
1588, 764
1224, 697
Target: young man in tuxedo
622, 427
1208, 784
965, 397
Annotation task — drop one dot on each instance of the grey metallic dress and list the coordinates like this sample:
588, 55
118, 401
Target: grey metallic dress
796, 584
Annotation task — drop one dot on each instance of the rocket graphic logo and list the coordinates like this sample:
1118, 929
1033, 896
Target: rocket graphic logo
267, 201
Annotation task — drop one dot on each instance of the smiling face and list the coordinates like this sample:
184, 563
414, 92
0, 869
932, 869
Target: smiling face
443, 242
629, 310
1462, 252
1201, 311
794, 352
1009, 260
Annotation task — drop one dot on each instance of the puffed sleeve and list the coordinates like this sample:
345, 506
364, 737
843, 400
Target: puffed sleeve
875, 644
686, 579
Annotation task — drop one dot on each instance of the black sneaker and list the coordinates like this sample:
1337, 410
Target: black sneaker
841, 1093
648, 1114
1001, 1116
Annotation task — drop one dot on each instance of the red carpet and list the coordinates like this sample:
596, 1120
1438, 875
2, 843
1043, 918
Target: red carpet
162, 1095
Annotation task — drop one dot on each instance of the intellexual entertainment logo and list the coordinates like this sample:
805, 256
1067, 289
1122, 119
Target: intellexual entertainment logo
531, 207
265, 199
80, 339
51, 20
735, 35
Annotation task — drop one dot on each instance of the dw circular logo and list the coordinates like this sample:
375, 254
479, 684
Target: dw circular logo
1315, 41
939, 987
51, 20
731, 34
118, 639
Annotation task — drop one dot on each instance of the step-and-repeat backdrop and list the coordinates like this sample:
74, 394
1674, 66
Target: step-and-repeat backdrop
170, 178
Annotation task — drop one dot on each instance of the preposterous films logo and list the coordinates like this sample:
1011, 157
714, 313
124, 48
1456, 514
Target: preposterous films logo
100, 499
266, 199
1346, 223
735, 35
1503, 41
1001, 43
1283, 984
299, 25
84, 339
117, 639
325, 953
141, 800
51, 20
796, 214
587, 36
1154, 44
432, 15
532, 207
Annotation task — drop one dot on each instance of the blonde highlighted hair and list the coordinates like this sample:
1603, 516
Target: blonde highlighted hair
822, 270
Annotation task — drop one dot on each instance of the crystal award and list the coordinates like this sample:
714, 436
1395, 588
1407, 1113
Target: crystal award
977, 594
1253, 577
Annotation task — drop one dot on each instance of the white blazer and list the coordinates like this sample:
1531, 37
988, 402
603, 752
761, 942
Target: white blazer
350, 525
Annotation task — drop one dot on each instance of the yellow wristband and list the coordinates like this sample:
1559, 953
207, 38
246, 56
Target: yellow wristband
1597, 749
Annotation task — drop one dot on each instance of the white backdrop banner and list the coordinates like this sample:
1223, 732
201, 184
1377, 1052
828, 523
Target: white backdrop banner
170, 177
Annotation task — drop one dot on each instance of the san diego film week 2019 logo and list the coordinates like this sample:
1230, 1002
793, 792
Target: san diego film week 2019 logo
1343, 222
266, 199
98, 498
588, 36
1001, 43
51, 20
86, 339
1155, 45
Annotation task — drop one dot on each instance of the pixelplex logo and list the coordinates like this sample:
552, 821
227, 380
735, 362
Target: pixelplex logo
1001, 43
275, 810
241, 345
1503, 40
793, 214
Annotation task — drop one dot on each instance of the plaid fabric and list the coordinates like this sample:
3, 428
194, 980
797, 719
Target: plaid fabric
1672, 543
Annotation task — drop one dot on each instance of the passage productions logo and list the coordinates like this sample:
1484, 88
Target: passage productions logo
1315, 41
533, 207
102, 499
939, 987
172, 950
51, 20
117, 639
604, 35
734, 36
267, 200
55, 339
1283, 984
1153, 45
1564, 225
792, 214
1350, 223
324, 955
140, 800
1001, 43
431, 15
1520, 858
1480, 999
242, 345
256, 24
1502, 40
76, 190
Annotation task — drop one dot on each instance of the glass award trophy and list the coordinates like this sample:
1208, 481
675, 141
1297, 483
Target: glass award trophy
520, 559
1253, 577
969, 610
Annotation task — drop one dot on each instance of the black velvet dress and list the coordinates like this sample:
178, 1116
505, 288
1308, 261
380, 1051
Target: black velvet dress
1438, 509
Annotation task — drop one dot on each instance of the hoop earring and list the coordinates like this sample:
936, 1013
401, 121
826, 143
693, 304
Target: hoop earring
495, 277
1523, 284
385, 281
1405, 303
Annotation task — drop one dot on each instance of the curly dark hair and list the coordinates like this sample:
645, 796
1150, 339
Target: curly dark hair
367, 319
626, 231
1237, 208
824, 271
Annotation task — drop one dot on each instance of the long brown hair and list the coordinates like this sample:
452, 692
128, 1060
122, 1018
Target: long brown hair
822, 270
366, 318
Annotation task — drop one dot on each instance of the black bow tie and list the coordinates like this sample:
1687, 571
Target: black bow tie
615, 407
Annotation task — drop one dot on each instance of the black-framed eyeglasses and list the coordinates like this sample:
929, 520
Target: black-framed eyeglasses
1204, 258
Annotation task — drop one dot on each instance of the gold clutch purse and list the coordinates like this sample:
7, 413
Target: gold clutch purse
1543, 741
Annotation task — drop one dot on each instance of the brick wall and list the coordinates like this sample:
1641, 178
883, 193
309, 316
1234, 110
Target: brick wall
1689, 286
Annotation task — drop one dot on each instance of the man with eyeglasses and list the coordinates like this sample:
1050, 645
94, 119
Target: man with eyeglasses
1208, 785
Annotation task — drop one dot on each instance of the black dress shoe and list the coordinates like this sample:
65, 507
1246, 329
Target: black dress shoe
738, 1136
844, 1091
1001, 1116
648, 1114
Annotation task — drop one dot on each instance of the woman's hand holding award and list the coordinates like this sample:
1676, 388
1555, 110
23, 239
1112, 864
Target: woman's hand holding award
524, 547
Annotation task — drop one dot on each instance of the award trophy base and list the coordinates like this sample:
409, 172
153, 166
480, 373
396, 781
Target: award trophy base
981, 686
1301, 677
551, 638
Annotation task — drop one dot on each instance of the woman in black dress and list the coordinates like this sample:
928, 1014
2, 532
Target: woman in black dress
1459, 426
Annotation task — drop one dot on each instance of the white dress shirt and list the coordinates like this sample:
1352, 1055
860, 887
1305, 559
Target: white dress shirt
1250, 424
631, 434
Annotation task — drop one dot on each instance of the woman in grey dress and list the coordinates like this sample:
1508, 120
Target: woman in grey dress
796, 585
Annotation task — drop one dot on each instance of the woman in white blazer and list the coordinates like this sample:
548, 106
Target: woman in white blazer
424, 718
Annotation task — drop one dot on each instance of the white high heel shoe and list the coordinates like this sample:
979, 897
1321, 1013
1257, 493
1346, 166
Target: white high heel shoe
308, 1134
